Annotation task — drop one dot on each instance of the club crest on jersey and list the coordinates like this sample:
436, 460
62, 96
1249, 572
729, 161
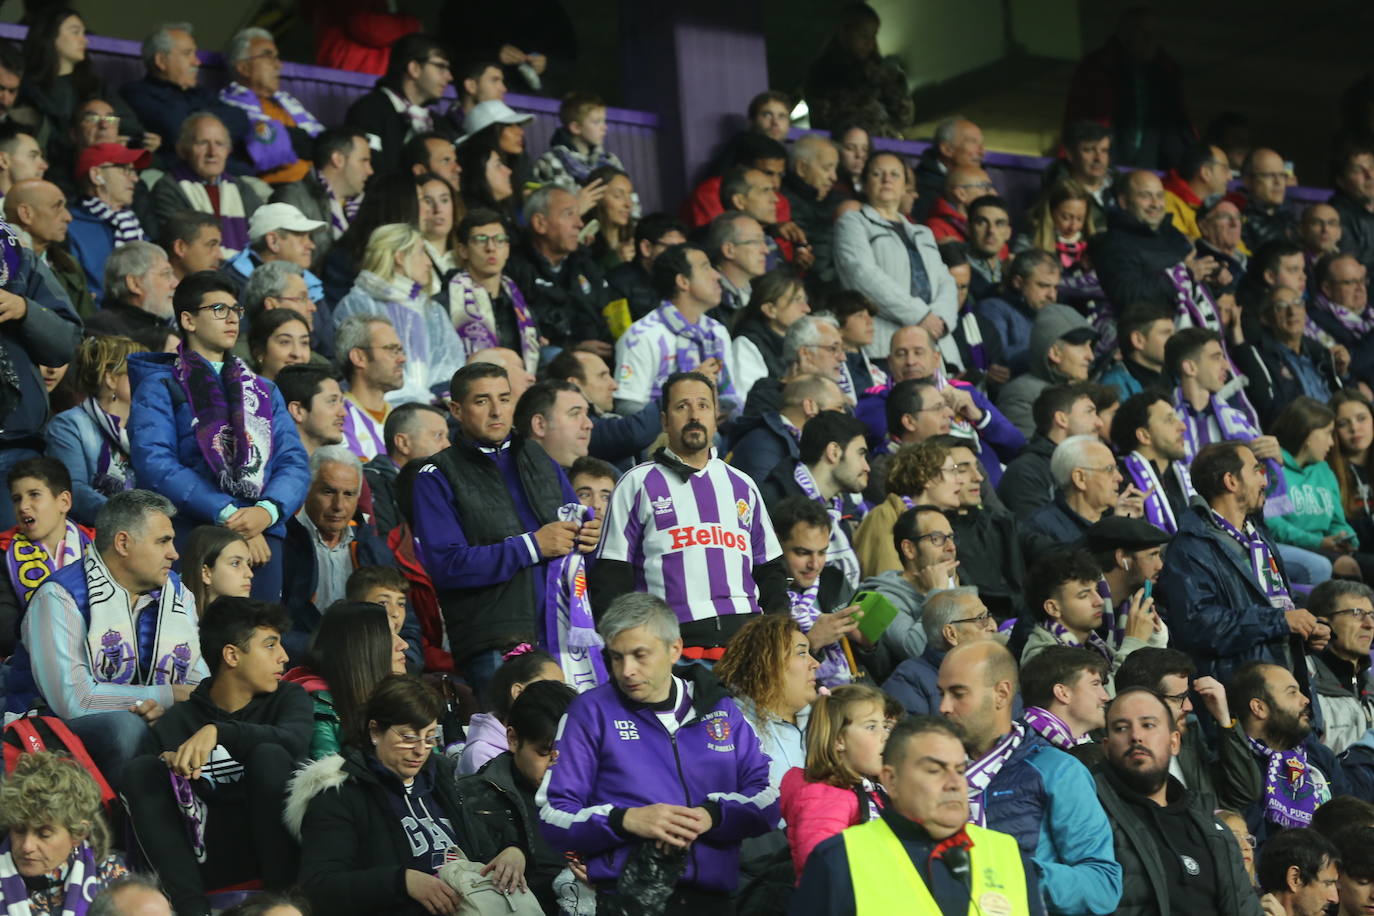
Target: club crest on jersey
663, 505
746, 514
718, 729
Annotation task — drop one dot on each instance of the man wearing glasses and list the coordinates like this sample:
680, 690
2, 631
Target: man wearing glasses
949, 217
1340, 672
102, 214
215, 436
278, 141
1087, 487
951, 617
1265, 177
398, 108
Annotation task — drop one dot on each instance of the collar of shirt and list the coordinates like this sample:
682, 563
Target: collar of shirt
344, 540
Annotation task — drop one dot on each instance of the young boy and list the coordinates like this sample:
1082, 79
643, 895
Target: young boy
593, 480
388, 586
230, 751
576, 150
502, 792
43, 541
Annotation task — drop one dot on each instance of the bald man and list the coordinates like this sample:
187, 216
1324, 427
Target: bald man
1138, 255
1022, 785
809, 187
520, 377
1265, 176
39, 208
949, 217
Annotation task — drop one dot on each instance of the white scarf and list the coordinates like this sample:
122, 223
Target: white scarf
421, 121
230, 201
112, 634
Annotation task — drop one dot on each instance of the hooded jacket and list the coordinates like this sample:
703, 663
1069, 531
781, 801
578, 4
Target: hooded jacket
1131, 258
1317, 509
614, 754
1018, 395
167, 458
486, 738
1346, 696
915, 683
905, 637
1013, 318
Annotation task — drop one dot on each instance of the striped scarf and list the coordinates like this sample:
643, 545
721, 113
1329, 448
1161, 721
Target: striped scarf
123, 222
81, 885
805, 608
421, 121
226, 205
1158, 512
984, 770
569, 632
338, 211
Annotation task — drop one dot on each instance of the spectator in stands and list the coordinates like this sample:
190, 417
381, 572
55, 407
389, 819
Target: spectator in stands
989, 229
92, 438
243, 731
324, 545
894, 263
56, 853
181, 448
94, 122
1296, 364
958, 143
328, 194
280, 129
1353, 171
1300, 873
218, 565
642, 643
315, 403
1340, 673
753, 191
500, 127
1265, 176
811, 346
395, 271
192, 242
613, 244
1202, 173
949, 217
1196, 358
432, 154
593, 480
1053, 811
1059, 411
1277, 720
738, 248
488, 183
1087, 162
280, 232
849, 80
678, 336
102, 217
412, 432
917, 475
487, 307
1148, 435
167, 94
1315, 527
809, 187
139, 285
196, 181
439, 224
566, 291
487, 737
490, 565
1064, 689
1339, 307
751, 150
131, 895
21, 157
1319, 233
520, 378
633, 281
950, 617
778, 299
577, 148
616, 439
372, 363
1060, 350
554, 414
1219, 222
39, 208
1032, 283
1225, 596
482, 80
1087, 486
745, 580
1350, 459
1143, 332
1276, 263
854, 314
355, 853
1062, 221
1155, 820
993, 560
397, 109
763, 441
854, 144
12, 65
279, 338
83, 657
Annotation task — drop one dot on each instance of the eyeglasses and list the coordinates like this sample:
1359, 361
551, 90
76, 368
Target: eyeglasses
105, 120
264, 55
1105, 469
390, 349
221, 310
979, 185
982, 619
440, 64
409, 740
952, 471
1179, 698
481, 241
1361, 614
938, 538
834, 349
120, 167
293, 298
750, 242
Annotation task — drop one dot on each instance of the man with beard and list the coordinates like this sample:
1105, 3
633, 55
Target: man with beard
692, 530
1300, 870
1223, 590
372, 362
1299, 772
1148, 432
1175, 856
1020, 784
1340, 673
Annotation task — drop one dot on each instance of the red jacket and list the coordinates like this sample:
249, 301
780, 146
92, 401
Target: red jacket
357, 35
423, 599
947, 223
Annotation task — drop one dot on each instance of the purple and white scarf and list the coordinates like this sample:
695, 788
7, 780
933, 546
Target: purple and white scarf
834, 669
569, 631
269, 144
1293, 788
1158, 512
114, 473
1359, 324
233, 221
1050, 727
841, 553
474, 317
123, 223
338, 211
701, 344
362, 434
80, 886
973, 336
112, 634
1234, 423
30, 566
1099, 645
1263, 563
193, 811
580, 166
982, 771
1196, 307
420, 118
231, 420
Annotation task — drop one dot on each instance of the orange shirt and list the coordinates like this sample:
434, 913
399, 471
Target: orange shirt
283, 174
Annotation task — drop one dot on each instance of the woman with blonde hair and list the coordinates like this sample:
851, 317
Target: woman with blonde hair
844, 757
55, 856
923, 474
92, 438
1062, 221
394, 283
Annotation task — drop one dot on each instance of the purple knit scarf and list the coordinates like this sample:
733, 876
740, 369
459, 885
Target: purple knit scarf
1158, 512
1292, 789
232, 420
1235, 423
1263, 562
569, 632
80, 887
834, 669
473, 317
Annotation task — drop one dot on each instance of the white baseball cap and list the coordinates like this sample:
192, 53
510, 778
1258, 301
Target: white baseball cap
492, 111
278, 218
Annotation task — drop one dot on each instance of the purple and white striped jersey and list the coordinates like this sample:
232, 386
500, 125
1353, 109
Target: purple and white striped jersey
362, 434
651, 350
693, 542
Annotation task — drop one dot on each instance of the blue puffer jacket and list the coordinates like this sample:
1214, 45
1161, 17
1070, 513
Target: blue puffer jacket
915, 683
167, 459
1215, 609
47, 335
1048, 801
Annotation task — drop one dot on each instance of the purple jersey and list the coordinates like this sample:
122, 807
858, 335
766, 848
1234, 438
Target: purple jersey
362, 434
651, 350
692, 542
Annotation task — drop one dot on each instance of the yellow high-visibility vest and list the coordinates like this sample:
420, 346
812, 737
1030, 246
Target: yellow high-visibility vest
886, 881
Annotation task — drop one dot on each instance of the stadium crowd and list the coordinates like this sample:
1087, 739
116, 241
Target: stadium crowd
848, 541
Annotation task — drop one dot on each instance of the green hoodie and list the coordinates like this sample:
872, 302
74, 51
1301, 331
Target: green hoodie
1317, 508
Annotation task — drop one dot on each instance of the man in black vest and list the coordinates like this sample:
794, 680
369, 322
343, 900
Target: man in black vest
487, 525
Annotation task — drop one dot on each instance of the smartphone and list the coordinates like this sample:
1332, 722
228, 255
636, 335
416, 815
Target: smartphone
1149, 587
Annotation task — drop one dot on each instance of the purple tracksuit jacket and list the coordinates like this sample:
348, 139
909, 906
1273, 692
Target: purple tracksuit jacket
614, 754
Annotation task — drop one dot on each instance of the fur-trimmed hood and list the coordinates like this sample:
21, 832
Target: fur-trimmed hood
306, 783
